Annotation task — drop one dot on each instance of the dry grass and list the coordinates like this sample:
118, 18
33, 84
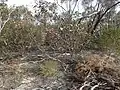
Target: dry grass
100, 63
99, 70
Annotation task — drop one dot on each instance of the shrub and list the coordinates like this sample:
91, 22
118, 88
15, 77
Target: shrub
108, 40
19, 36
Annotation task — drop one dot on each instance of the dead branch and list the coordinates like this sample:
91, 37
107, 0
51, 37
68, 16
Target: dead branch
85, 85
93, 88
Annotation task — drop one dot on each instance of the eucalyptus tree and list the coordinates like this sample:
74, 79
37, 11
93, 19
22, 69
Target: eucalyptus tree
101, 10
45, 12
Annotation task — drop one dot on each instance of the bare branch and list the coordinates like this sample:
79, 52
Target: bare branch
87, 16
75, 6
60, 5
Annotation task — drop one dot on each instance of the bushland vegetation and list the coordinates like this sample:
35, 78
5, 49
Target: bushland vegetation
81, 38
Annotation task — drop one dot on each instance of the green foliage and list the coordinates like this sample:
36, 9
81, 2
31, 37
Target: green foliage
21, 33
18, 35
109, 39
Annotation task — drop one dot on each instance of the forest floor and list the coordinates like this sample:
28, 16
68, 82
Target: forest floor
87, 70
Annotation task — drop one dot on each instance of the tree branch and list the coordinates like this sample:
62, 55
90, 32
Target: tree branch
100, 17
4, 22
60, 5
74, 6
